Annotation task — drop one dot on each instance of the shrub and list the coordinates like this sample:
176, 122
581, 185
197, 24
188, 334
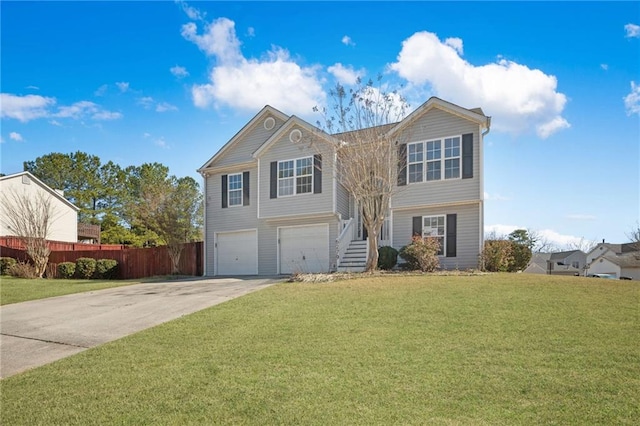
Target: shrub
497, 256
5, 264
66, 270
85, 267
422, 254
387, 257
23, 270
106, 269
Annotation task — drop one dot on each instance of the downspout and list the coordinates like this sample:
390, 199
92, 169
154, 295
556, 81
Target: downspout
481, 147
204, 245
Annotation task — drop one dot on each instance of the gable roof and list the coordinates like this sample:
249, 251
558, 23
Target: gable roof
267, 110
46, 187
626, 260
476, 115
561, 255
292, 121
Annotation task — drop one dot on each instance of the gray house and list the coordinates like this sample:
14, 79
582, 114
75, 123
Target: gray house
275, 206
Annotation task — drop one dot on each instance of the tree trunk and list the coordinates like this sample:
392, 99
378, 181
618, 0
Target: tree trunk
372, 258
175, 251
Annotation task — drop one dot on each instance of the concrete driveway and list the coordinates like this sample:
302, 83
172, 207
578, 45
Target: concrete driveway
42, 331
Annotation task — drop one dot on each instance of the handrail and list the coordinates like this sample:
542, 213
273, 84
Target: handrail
345, 234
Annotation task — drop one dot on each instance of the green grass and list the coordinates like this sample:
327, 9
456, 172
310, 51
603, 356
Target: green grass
14, 290
442, 350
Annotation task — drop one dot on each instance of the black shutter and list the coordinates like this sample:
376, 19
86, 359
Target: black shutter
402, 165
452, 220
317, 174
273, 183
467, 156
245, 188
417, 226
225, 203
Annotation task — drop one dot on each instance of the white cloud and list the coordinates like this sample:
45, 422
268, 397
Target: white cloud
165, 106
55, 123
604, 67
103, 115
346, 40
24, 108
146, 135
632, 30
146, 102
161, 142
84, 109
495, 197
251, 32
456, 43
251, 84
100, 91
191, 12
581, 217
345, 74
553, 238
15, 136
123, 86
632, 100
518, 98
179, 72
33, 87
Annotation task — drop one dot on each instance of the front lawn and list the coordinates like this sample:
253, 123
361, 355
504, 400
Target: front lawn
14, 290
468, 350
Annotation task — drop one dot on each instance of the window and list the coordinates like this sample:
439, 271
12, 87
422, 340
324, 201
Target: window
434, 226
295, 176
434, 160
235, 189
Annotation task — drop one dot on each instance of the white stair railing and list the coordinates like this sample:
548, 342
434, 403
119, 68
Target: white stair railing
344, 239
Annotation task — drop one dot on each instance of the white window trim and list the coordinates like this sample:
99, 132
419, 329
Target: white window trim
442, 160
444, 236
241, 189
295, 176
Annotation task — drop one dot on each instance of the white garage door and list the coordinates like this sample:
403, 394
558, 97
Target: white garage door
304, 249
237, 253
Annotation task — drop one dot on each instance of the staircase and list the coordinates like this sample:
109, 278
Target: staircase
355, 258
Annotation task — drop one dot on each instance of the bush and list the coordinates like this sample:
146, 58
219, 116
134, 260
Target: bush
106, 269
6, 263
497, 256
387, 257
422, 254
85, 267
66, 270
23, 270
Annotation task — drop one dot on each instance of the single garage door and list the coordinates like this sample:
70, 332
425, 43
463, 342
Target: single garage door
237, 253
304, 249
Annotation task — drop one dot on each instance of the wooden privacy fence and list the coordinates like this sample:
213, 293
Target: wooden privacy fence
17, 243
132, 262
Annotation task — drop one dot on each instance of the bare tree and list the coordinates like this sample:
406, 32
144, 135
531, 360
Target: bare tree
634, 236
30, 218
583, 245
367, 158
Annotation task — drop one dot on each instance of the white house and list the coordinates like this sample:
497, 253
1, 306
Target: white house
64, 226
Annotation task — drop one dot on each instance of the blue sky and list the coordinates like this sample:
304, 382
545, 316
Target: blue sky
171, 82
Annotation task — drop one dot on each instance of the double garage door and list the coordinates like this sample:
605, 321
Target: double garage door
301, 249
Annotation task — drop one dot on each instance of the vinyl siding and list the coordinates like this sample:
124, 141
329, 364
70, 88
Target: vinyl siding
468, 232
303, 204
227, 219
243, 150
438, 124
268, 241
342, 202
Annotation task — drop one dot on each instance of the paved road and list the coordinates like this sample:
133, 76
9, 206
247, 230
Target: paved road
42, 331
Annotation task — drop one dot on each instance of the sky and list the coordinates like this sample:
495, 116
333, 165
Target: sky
172, 82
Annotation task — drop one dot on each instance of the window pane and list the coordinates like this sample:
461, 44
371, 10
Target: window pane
415, 172
235, 182
452, 147
452, 168
303, 185
433, 150
415, 152
235, 198
285, 169
304, 166
433, 170
285, 187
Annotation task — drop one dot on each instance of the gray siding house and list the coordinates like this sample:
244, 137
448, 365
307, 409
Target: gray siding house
274, 205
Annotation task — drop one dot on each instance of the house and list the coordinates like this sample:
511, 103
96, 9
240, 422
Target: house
274, 204
618, 260
570, 262
24, 185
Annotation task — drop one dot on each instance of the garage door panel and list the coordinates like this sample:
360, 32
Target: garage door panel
237, 253
304, 249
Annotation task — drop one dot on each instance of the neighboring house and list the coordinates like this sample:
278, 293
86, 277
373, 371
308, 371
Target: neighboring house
64, 226
275, 206
560, 263
619, 260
